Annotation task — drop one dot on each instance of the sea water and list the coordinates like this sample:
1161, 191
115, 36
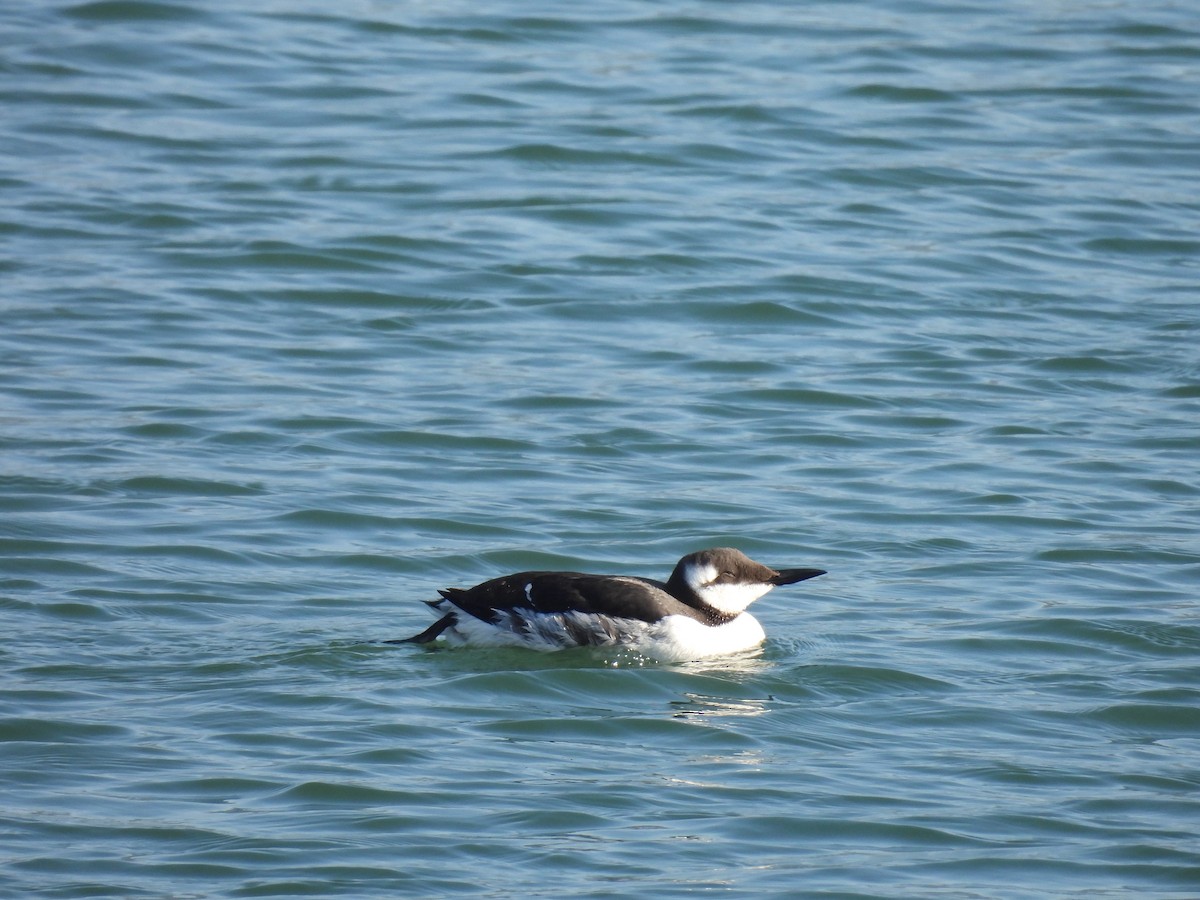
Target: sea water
307, 310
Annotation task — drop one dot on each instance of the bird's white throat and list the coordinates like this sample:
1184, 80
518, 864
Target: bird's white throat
730, 597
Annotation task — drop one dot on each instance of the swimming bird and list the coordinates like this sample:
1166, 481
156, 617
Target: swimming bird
698, 612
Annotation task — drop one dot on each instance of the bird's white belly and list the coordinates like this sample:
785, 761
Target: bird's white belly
679, 638
672, 639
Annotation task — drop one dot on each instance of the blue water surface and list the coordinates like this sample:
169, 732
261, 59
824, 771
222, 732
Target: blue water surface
309, 310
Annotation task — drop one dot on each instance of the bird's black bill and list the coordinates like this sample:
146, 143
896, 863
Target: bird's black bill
791, 576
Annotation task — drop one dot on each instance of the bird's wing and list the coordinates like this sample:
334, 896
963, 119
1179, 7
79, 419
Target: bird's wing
556, 592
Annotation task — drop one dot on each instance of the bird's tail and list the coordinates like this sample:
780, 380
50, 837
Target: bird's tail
430, 634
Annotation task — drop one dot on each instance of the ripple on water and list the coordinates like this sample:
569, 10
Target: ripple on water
307, 315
